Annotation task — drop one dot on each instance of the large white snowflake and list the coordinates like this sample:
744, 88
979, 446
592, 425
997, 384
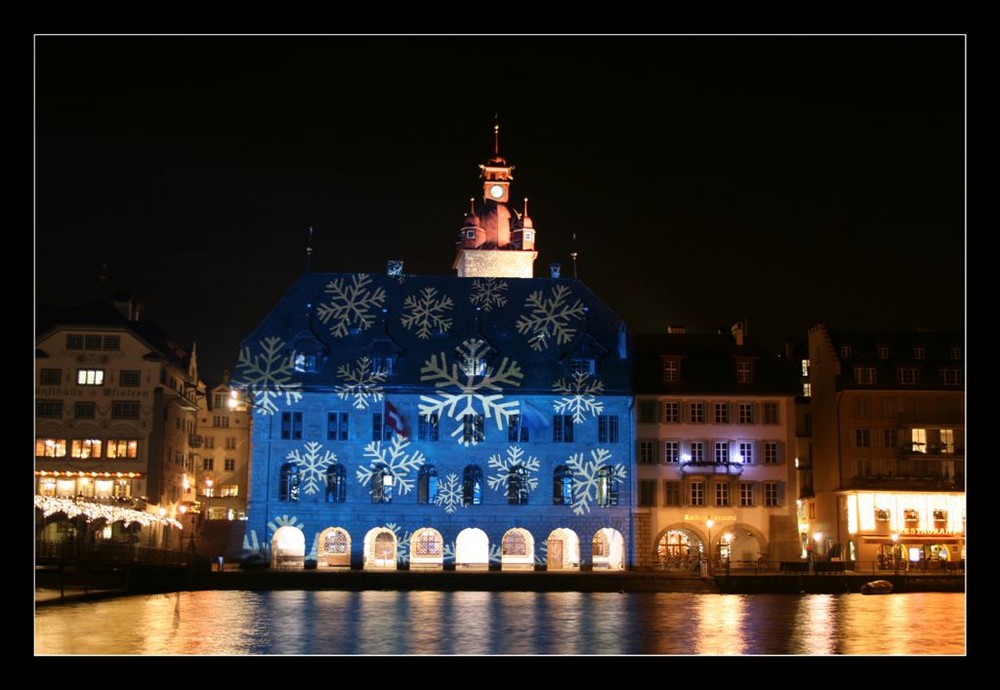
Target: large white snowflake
550, 317
363, 382
476, 389
489, 293
505, 467
312, 465
587, 477
449, 494
268, 375
428, 312
285, 521
542, 553
351, 305
394, 459
578, 396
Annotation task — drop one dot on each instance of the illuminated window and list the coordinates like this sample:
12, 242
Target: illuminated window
562, 486
671, 452
229, 490
746, 452
807, 390
600, 545
49, 408
307, 363
85, 448
607, 487
50, 377
514, 544
805, 367
50, 447
382, 485
124, 409
427, 543
122, 448
90, 377
911, 518
697, 451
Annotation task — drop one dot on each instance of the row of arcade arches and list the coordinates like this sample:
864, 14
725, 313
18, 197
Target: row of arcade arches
427, 549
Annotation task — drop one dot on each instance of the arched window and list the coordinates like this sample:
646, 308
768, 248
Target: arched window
336, 483
427, 484
517, 486
562, 486
601, 546
514, 544
382, 485
472, 485
607, 487
288, 486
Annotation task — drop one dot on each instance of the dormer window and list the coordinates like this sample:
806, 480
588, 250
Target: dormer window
307, 363
671, 370
956, 353
845, 351
883, 352
384, 363
744, 371
919, 352
470, 234
582, 365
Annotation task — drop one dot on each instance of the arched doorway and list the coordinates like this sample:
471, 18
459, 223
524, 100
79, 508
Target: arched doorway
677, 549
334, 548
380, 549
563, 551
608, 549
426, 550
517, 550
472, 550
288, 548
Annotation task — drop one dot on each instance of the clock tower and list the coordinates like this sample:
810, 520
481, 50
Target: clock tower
496, 240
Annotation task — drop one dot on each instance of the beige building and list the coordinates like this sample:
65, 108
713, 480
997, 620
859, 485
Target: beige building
115, 414
715, 444
886, 483
222, 457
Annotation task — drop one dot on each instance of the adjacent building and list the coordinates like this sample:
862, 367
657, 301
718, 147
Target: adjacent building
885, 484
482, 420
715, 444
115, 414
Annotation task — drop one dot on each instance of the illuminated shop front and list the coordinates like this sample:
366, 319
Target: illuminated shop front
906, 530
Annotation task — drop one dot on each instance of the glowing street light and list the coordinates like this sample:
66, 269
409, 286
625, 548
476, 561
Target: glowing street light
208, 495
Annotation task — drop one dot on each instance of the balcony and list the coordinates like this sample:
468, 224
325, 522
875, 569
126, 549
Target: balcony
705, 467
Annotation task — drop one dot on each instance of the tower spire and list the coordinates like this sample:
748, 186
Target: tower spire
496, 134
309, 250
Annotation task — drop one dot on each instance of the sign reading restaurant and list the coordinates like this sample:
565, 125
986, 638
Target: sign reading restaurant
703, 518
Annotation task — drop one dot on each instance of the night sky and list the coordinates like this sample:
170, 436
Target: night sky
780, 180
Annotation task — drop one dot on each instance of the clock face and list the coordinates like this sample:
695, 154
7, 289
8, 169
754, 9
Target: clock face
496, 191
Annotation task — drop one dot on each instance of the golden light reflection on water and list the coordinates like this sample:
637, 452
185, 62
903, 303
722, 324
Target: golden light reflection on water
481, 623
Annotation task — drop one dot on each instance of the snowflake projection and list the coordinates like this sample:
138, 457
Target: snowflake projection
285, 521
542, 553
402, 542
489, 293
314, 552
579, 396
505, 468
312, 465
550, 317
449, 552
428, 313
587, 477
496, 553
268, 374
363, 382
394, 459
353, 305
251, 543
449, 494
473, 393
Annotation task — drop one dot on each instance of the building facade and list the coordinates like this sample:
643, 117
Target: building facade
474, 421
715, 444
115, 412
886, 482
222, 454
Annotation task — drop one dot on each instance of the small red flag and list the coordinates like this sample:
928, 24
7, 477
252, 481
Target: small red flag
395, 420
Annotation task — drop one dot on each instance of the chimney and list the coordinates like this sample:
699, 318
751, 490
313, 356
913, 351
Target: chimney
554, 270
675, 330
394, 268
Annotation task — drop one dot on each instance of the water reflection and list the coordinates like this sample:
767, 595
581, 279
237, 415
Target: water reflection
478, 623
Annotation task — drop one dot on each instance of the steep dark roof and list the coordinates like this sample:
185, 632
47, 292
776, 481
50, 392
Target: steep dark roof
708, 365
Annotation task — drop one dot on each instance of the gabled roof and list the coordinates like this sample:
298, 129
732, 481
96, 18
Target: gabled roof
708, 364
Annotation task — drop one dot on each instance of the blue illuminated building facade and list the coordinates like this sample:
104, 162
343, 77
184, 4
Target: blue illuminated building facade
475, 421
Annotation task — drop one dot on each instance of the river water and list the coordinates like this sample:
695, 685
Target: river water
218, 623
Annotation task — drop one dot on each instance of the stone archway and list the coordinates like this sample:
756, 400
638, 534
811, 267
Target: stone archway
380, 549
426, 549
288, 548
472, 550
608, 549
334, 548
563, 552
517, 550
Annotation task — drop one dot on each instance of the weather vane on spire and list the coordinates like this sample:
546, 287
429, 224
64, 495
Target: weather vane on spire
496, 134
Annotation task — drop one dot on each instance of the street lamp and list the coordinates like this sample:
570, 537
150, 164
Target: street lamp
709, 523
895, 554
